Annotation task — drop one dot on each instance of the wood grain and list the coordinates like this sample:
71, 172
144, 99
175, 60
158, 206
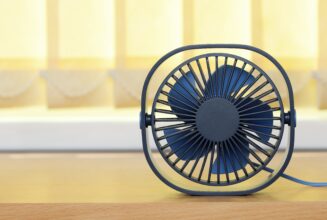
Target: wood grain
121, 186
188, 210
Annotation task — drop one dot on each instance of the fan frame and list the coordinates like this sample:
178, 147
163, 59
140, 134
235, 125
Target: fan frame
290, 116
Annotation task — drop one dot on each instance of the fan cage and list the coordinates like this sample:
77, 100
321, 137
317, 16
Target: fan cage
199, 170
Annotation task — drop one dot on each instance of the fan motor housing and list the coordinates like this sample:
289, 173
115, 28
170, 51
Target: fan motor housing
220, 119
217, 119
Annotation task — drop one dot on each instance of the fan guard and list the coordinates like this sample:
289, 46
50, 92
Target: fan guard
217, 119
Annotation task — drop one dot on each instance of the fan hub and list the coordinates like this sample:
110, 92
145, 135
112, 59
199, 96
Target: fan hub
217, 119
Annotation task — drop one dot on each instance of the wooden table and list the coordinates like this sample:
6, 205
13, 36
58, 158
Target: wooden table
121, 185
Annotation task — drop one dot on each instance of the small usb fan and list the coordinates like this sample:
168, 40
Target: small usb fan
217, 121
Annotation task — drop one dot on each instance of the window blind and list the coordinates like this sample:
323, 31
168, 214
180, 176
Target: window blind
58, 53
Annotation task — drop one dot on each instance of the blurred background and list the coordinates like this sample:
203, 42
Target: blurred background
71, 71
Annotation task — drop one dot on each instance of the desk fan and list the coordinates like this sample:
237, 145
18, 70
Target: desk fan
217, 120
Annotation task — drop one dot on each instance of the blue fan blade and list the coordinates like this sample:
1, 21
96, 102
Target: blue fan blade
232, 80
181, 146
268, 114
232, 159
175, 94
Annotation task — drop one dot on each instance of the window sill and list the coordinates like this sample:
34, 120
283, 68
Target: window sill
111, 129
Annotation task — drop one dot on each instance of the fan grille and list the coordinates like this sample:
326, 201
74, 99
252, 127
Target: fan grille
217, 119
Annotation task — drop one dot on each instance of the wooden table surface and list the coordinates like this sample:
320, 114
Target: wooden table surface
121, 185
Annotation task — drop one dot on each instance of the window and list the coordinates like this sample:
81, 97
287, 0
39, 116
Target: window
57, 53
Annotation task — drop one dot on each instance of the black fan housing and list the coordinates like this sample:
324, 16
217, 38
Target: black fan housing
217, 120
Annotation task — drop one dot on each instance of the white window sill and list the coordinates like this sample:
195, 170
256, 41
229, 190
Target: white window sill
112, 129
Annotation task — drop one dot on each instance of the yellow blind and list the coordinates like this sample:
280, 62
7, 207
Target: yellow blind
86, 33
23, 35
126, 37
152, 29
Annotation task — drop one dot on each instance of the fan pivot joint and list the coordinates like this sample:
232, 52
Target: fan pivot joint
145, 120
289, 118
